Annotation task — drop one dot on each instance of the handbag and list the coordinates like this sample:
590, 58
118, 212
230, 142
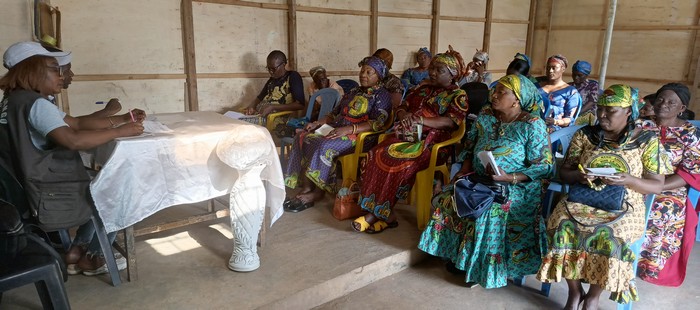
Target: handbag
610, 199
346, 203
471, 198
409, 134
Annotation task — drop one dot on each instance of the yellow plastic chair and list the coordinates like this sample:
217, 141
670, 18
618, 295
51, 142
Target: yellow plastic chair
272, 116
350, 162
422, 190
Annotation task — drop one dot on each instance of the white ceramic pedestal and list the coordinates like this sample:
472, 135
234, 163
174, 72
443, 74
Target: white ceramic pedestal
247, 203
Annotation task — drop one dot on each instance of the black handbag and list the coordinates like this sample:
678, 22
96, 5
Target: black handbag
610, 199
471, 199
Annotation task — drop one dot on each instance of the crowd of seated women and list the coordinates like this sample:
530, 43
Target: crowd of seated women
649, 142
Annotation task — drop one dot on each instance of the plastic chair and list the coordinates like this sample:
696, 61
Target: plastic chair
563, 137
329, 99
12, 186
695, 123
477, 95
405, 89
422, 191
350, 162
25, 259
694, 195
347, 85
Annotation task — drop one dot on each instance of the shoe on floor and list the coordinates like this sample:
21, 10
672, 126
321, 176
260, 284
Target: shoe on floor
298, 206
92, 265
74, 254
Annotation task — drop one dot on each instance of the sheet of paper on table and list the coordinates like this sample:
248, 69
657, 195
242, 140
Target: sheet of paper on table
154, 126
324, 130
486, 157
239, 115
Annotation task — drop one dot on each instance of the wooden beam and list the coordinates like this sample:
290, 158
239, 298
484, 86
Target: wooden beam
406, 15
627, 27
303, 8
463, 19
487, 26
189, 56
547, 32
247, 3
509, 21
125, 77
691, 47
373, 26
292, 35
529, 42
435, 27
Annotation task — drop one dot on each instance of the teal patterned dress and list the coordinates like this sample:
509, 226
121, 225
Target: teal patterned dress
507, 241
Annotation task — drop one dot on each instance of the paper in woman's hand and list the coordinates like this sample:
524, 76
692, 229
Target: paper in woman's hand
324, 130
486, 158
602, 172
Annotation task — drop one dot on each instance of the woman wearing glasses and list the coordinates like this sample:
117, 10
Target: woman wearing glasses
284, 91
39, 144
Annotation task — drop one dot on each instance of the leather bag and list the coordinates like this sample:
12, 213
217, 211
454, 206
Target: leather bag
471, 199
346, 203
610, 199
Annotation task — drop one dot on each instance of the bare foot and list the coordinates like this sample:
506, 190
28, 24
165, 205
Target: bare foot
575, 299
311, 196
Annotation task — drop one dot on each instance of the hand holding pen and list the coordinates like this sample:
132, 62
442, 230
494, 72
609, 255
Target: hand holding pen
585, 175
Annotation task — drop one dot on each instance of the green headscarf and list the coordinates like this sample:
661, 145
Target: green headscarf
525, 90
623, 96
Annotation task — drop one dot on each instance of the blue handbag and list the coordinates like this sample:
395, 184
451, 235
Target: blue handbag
611, 199
471, 199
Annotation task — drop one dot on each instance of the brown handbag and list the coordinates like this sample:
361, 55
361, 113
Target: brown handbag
346, 205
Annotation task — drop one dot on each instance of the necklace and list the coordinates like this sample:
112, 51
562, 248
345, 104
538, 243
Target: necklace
502, 128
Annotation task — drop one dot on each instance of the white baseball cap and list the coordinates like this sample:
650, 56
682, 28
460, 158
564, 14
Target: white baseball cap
23, 50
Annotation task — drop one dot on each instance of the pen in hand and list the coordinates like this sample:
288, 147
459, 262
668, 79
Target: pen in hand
580, 168
132, 116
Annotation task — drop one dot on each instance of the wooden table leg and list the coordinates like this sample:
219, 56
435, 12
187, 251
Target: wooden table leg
129, 244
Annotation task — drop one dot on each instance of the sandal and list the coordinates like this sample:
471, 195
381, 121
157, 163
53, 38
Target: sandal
288, 202
380, 226
297, 206
362, 222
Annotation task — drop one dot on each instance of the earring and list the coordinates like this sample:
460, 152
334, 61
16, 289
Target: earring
514, 104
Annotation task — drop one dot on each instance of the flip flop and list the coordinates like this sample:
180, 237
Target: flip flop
380, 226
289, 202
362, 222
298, 206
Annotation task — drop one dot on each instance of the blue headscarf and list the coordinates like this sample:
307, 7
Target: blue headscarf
377, 64
523, 57
583, 67
425, 50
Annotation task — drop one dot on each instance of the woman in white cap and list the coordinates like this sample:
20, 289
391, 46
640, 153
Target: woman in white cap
41, 144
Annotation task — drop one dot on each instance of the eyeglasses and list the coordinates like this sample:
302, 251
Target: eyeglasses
59, 69
275, 68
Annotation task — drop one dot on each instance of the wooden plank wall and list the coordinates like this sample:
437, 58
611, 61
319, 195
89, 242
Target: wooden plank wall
139, 51
654, 42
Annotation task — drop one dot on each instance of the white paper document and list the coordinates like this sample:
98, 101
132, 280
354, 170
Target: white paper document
155, 127
602, 172
486, 158
324, 130
239, 115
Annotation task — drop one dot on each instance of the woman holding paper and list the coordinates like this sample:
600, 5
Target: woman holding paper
591, 245
508, 239
312, 159
437, 109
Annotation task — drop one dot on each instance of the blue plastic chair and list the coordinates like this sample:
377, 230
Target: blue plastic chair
694, 195
329, 99
405, 89
563, 137
347, 84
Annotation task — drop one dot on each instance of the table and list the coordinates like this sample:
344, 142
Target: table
140, 176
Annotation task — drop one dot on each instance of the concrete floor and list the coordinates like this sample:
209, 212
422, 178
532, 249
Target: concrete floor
311, 260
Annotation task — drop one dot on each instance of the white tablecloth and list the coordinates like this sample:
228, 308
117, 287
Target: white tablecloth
143, 175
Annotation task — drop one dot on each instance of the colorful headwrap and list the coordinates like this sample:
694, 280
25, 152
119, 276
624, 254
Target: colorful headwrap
681, 91
315, 70
560, 59
481, 56
523, 57
377, 64
583, 67
454, 62
623, 96
525, 90
424, 50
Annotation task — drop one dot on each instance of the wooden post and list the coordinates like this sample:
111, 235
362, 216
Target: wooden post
189, 56
292, 35
373, 26
531, 28
435, 27
606, 47
546, 36
691, 47
487, 26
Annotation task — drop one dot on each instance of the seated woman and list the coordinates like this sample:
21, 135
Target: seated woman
671, 227
365, 108
320, 81
284, 91
391, 82
392, 165
588, 89
414, 77
476, 69
561, 100
506, 241
591, 245
519, 65
36, 135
